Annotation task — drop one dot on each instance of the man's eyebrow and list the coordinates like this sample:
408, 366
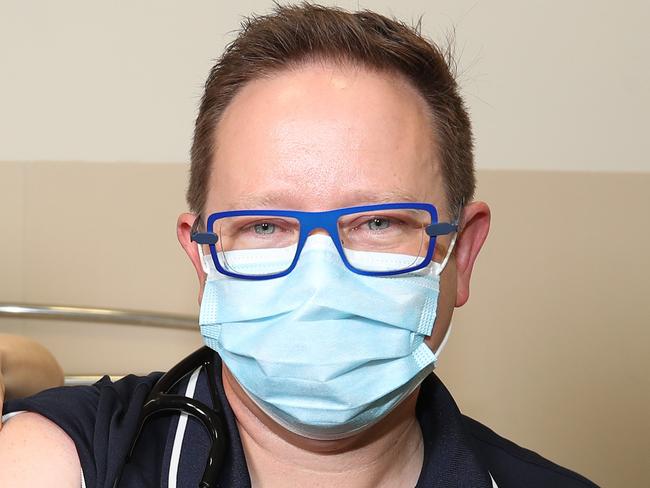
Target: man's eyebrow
288, 200
362, 197
277, 199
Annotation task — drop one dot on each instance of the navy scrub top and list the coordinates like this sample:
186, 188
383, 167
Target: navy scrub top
171, 452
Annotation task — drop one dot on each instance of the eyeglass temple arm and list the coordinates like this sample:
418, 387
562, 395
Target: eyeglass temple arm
441, 229
208, 238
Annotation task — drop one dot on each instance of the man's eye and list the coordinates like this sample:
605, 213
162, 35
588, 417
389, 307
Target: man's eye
265, 228
378, 224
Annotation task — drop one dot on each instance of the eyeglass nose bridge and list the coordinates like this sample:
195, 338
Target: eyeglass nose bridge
314, 221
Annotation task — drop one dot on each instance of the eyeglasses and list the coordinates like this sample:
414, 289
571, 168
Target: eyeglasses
266, 244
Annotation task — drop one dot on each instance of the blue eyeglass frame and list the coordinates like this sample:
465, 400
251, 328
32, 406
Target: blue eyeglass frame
325, 220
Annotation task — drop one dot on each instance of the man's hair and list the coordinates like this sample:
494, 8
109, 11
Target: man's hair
295, 35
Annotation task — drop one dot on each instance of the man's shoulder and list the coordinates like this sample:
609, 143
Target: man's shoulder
85, 403
97, 418
30, 440
514, 466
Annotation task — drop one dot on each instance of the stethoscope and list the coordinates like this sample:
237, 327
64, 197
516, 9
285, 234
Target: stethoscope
159, 401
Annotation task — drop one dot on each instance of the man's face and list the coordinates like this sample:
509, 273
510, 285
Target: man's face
322, 137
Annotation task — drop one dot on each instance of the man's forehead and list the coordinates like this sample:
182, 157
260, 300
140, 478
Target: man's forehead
308, 109
330, 147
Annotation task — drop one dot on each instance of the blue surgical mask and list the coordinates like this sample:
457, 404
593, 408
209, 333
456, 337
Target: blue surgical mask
323, 351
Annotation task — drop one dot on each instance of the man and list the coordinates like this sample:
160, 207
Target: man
333, 232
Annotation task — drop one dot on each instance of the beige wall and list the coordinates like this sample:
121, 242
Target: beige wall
559, 85
553, 348
101, 235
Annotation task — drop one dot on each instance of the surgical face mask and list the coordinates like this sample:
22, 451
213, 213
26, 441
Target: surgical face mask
323, 351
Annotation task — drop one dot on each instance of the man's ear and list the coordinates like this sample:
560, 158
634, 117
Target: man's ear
475, 224
183, 231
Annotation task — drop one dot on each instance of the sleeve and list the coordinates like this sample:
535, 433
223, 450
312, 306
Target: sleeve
101, 419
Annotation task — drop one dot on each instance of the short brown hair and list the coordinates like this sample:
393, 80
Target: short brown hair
297, 34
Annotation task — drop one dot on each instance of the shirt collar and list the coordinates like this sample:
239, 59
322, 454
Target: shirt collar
450, 458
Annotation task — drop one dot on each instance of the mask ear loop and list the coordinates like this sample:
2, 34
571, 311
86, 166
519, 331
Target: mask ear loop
200, 239
442, 267
204, 265
449, 251
444, 341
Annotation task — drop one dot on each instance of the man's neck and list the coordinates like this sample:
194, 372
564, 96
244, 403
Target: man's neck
388, 454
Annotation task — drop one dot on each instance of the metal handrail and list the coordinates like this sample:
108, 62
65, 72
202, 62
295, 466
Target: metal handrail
104, 315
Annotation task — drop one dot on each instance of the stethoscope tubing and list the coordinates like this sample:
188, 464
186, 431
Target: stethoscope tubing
159, 402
